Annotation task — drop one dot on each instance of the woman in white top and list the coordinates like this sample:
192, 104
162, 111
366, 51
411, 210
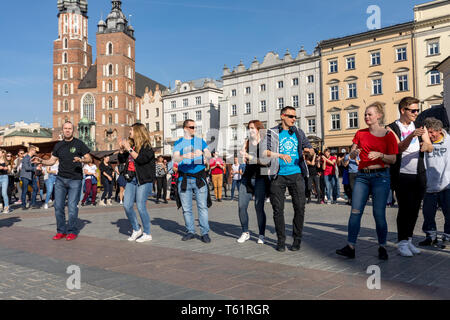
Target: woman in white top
50, 179
90, 172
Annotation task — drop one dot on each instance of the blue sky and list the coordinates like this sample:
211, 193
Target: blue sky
175, 39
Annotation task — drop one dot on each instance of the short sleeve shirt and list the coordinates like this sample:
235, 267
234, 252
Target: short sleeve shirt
289, 146
352, 166
367, 142
91, 170
216, 170
184, 146
66, 151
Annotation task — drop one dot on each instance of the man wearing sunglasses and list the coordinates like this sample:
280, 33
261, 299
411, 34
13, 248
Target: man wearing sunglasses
285, 146
191, 153
408, 178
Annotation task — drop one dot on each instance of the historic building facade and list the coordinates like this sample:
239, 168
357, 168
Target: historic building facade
100, 99
152, 116
197, 100
432, 45
262, 90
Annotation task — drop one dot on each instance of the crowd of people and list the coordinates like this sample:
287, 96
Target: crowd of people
404, 160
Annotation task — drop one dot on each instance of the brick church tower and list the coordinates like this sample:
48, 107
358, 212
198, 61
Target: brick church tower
72, 57
115, 77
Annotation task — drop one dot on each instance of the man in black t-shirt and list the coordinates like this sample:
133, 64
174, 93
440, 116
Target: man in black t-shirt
71, 153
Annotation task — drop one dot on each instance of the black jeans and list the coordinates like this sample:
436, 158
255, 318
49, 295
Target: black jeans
161, 183
410, 193
296, 186
351, 178
314, 180
107, 189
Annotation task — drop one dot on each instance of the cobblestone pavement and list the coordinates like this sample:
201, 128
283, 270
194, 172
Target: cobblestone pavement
32, 266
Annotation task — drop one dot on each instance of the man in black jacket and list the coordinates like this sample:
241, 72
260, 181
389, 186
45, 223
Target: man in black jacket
285, 145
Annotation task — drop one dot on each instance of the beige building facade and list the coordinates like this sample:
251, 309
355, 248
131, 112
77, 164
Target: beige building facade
152, 116
360, 69
432, 45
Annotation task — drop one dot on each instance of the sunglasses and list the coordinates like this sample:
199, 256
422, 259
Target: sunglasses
192, 128
290, 116
412, 110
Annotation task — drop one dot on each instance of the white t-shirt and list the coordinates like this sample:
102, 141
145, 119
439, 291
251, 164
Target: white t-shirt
236, 176
410, 157
91, 169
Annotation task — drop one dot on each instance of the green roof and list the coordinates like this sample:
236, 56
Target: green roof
44, 133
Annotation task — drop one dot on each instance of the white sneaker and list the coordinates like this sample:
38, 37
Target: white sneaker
6, 210
145, 238
412, 248
50, 201
121, 202
46, 206
403, 249
244, 237
102, 203
109, 202
135, 235
261, 239
267, 200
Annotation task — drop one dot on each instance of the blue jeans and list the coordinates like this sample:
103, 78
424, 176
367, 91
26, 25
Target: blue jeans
430, 205
139, 194
201, 196
377, 184
25, 183
49, 186
331, 183
236, 183
259, 185
83, 182
70, 189
4, 185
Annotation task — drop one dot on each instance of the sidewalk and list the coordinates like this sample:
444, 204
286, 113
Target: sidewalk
32, 266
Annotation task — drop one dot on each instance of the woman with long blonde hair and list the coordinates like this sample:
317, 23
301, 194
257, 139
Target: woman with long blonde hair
140, 170
5, 168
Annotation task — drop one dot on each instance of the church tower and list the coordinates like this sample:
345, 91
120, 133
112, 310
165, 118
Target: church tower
72, 57
116, 81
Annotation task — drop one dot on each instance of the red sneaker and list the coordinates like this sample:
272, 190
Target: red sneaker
59, 236
71, 236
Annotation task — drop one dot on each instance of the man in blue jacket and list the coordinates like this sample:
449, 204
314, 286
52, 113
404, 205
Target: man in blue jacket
26, 176
285, 146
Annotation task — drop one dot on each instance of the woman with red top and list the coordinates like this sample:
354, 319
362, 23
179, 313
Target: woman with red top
377, 149
329, 167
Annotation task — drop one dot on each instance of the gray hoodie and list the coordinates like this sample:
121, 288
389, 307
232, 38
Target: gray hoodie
27, 168
437, 164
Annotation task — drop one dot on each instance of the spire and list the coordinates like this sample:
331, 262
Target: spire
116, 21
72, 6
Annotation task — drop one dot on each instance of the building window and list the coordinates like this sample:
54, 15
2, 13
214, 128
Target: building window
280, 84
110, 86
157, 112
185, 116
263, 106
333, 66
109, 49
248, 108
110, 70
233, 93
66, 43
66, 89
295, 101
198, 100
233, 110
433, 48
295, 82
233, 133
147, 114
157, 126
262, 87
173, 118
353, 120
377, 87
351, 63
435, 77
402, 83
334, 93
110, 103
311, 125
64, 57
247, 90
375, 58
311, 99
185, 102
352, 90
66, 106
401, 54
280, 103
173, 133
110, 119
129, 52
335, 121
198, 116
89, 107
310, 78
173, 104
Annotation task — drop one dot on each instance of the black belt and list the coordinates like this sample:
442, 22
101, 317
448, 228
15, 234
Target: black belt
365, 170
